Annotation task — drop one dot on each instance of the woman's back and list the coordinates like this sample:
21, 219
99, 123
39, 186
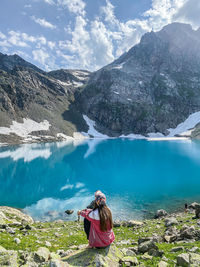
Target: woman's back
101, 233
97, 237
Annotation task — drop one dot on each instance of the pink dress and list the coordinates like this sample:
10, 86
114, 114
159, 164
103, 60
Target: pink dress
97, 238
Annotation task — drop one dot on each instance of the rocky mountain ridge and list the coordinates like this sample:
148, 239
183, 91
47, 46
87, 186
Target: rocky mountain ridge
32, 102
151, 88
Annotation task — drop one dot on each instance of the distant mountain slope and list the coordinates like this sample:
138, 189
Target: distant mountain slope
9, 62
152, 87
28, 92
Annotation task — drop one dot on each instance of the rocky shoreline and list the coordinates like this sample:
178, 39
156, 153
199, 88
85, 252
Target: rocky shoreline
167, 240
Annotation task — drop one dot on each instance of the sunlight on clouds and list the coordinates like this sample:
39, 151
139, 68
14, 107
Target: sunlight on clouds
74, 6
51, 45
80, 43
50, 2
102, 43
93, 43
22, 39
40, 56
15, 39
98, 42
189, 12
162, 12
2, 36
43, 23
108, 12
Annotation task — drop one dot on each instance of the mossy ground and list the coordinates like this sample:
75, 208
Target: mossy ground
69, 235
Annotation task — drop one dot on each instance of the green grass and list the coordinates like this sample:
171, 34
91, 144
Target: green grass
72, 233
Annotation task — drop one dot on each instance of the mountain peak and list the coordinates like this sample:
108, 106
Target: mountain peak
9, 62
177, 26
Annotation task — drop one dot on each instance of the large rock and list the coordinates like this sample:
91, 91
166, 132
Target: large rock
128, 261
8, 258
163, 264
183, 260
170, 238
2, 248
58, 263
132, 223
197, 210
193, 205
194, 259
188, 232
128, 252
28, 259
176, 249
16, 214
95, 257
170, 221
161, 213
146, 246
42, 255
2, 220
171, 231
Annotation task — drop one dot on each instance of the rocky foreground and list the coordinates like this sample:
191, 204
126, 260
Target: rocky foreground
168, 240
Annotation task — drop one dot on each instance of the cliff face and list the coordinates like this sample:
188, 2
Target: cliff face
152, 87
28, 92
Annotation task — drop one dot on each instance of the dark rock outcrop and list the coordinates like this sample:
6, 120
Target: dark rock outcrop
151, 88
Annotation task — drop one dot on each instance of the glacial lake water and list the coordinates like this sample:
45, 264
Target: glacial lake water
137, 176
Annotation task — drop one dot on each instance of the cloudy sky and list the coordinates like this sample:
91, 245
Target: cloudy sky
84, 34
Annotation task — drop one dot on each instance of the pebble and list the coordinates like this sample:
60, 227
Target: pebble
17, 240
47, 244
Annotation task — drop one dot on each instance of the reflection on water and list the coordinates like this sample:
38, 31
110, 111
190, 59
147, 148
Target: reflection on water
138, 176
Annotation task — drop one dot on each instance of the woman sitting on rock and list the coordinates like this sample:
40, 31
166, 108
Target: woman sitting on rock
101, 234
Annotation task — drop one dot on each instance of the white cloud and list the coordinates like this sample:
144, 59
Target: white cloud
51, 45
5, 44
43, 23
15, 39
40, 56
28, 38
42, 40
189, 13
101, 43
80, 43
162, 12
2, 36
45, 58
74, 6
38, 48
95, 43
22, 39
27, 6
98, 42
108, 13
50, 2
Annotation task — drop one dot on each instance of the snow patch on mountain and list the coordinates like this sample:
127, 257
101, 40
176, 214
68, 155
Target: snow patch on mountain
188, 124
92, 131
25, 128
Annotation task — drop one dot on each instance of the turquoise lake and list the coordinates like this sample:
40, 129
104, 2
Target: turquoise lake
137, 176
